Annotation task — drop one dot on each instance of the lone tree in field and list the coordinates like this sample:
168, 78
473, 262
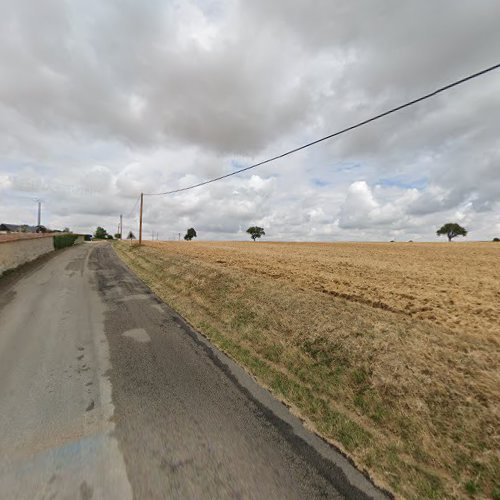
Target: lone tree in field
256, 232
191, 233
131, 236
452, 229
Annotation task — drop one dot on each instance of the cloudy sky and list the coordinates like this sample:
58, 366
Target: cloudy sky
102, 100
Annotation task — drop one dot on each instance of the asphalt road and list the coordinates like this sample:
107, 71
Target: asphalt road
105, 392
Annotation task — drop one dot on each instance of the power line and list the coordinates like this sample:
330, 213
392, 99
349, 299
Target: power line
134, 207
335, 134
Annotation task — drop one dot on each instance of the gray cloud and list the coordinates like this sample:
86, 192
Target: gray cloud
100, 101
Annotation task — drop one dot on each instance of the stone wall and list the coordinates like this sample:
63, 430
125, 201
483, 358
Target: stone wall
13, 253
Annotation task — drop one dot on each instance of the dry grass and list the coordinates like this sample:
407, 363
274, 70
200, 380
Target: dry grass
391, 351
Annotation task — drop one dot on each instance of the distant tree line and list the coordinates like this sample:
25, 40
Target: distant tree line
450, 229
101, 234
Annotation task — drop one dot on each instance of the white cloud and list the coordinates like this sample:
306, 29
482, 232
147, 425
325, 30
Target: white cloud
5, 182
102, 101
361, 210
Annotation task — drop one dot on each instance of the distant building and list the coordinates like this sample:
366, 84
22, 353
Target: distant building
17, 228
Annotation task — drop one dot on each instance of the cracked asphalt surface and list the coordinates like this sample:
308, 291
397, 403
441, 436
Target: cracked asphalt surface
105, 392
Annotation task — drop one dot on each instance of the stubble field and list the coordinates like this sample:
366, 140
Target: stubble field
389, 350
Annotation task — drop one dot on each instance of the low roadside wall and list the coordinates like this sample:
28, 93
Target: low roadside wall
14, 252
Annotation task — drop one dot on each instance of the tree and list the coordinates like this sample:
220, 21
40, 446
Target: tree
66, 230
118, 236
191, 233
256, 232
100, 233
452, 229
130, 236
496, 239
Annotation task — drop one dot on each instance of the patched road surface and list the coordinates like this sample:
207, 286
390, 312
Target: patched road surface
106, 393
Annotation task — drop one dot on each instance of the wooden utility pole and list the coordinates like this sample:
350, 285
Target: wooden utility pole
140, 219
121, 227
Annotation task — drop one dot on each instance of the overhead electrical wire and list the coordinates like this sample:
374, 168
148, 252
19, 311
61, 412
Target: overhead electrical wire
335, 134
133, 209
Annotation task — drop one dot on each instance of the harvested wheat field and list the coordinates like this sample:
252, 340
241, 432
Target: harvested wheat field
391, 351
